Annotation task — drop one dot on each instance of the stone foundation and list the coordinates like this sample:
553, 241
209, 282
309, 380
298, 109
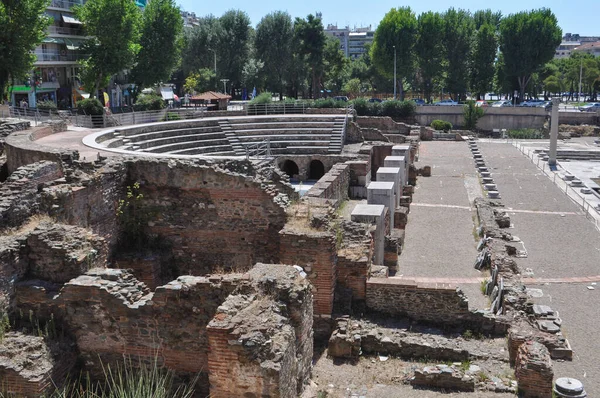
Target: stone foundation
533, 370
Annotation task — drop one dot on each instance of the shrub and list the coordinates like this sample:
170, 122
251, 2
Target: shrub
262, 98
90, 106
527, 134
472, 114
441, 125
171, 116
149, 102
375, 109
329, 103
398, 108
361, 106
47, 104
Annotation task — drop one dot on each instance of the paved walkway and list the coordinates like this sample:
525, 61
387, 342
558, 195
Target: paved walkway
478, 280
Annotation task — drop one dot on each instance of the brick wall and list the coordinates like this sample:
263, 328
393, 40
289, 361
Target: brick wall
333, 185
211, 218
533, 370
439, 303
378, 155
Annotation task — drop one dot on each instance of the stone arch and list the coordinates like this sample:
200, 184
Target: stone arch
316, 170
290, 168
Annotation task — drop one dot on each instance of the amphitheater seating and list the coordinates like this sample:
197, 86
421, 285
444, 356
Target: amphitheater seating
286, 134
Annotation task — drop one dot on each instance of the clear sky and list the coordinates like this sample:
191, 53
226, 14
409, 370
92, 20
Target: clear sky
574, 16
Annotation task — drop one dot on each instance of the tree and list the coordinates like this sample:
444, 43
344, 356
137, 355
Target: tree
528, 40
200, 45
552, 84
199, 81
482, 17
23, 27
161, 41
482, 61
397, 29
274, 35
311, 45
429, 50
457, 39
234, 46
334, 62
113, 27
252, 74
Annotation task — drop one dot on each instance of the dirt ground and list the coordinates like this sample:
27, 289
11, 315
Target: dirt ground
370, 377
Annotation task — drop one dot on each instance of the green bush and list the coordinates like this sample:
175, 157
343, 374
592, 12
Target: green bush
329, 103
472, 114
375, 109
441, 125
262, 98
398, 108
171, 116
47, 104
90, 106
361, 106
149, 102
526, 134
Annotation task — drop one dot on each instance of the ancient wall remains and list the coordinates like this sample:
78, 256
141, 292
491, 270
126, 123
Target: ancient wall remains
438, 303
384, 124
533, 370
212, 217
333, 185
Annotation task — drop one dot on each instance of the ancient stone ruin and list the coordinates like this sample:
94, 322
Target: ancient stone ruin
214, 268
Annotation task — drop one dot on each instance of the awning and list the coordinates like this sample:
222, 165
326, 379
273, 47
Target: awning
83, 93
71, 20
166, 93
54, 40
73, 44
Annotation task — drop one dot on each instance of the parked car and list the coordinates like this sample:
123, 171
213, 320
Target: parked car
590, 107
445, 102
547, 105
341, 98
532, 103
500, 104
375, 100
418, 101
481, 104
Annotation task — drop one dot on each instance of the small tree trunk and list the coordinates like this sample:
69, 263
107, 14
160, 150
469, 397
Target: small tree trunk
401, 89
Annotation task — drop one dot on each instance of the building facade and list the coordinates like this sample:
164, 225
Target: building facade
574, 42
352, 41
56, 70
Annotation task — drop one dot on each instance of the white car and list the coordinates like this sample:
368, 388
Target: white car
445, 102
499, 104
590, 107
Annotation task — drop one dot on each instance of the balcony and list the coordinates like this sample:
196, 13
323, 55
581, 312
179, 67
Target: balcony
59, 30
59, 56
65, 4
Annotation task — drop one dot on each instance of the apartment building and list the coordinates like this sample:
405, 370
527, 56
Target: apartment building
575, 42
55, 76
352, 41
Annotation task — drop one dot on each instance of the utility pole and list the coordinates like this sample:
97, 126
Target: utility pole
394, 72
580, 76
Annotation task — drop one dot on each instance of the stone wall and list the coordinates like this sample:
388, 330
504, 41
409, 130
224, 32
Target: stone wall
212, 218
533, 370
333, 185
303, 162
383, 123
259, 347
439, 303
19, 193
21, 150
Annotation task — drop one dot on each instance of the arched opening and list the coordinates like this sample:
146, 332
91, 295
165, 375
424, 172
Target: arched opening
316, 170
290, 168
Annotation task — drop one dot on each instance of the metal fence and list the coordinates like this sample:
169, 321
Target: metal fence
35, 116
276, 109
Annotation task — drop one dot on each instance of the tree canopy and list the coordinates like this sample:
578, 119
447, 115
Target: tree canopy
113, 27
396, 31
310, 39
429, 51
528, 40
273, 43
22, 28
160, 42
457, 38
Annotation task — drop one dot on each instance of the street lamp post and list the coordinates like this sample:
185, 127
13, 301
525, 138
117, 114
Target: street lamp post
394, 72
224, 85
215, 53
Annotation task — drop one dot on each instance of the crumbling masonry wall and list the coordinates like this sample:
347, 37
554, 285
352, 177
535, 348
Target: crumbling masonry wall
211, 217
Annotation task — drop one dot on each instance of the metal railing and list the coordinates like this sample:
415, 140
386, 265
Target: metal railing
59, 30
66, 4
569, 191
66, 56
132, 118
260, 149
276, 108
36, 116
